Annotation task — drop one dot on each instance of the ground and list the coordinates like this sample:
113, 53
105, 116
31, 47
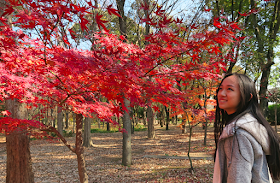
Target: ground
163, 159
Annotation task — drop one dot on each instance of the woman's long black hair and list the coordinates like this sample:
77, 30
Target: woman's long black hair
249, 104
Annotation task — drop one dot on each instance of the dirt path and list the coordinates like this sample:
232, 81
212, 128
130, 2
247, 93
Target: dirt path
160, 160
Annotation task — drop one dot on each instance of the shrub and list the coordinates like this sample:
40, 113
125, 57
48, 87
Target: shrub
140, 127
271, 114
68, 133
96, 130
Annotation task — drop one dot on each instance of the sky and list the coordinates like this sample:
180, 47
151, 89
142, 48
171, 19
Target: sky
183, 8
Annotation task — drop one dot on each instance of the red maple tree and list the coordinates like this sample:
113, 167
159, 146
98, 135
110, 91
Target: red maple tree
37, 71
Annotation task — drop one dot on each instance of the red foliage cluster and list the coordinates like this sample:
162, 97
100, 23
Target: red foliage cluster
36, 71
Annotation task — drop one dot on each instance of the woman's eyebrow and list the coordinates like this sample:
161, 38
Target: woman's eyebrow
228, 85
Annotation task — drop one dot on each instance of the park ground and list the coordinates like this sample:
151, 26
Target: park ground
163, 159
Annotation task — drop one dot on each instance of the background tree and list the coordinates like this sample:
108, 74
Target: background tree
261, 20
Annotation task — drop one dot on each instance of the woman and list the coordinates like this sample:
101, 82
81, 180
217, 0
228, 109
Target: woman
247, 148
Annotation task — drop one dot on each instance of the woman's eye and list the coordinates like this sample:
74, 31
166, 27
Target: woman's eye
230, 89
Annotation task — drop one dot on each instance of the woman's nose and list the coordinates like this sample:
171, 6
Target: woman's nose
223, 92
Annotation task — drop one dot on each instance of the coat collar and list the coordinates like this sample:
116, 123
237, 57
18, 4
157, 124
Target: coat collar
252, 126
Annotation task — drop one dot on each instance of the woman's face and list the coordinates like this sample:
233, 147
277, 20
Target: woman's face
229, 94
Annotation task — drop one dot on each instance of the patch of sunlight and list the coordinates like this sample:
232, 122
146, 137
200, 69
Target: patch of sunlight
105, 146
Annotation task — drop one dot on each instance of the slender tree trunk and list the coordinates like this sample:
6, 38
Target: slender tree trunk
162, 117
66, 119
145, 117
189, 149
126, 155
151, 128
133, 121
167, 118
87, 135
173, 120
122, 19
59, 120
275, 110
108, 126
53, 118
263, 89
46, 116
74, 121
205, 133
80, 150
98, 122
184, 130
206, 117
19, 166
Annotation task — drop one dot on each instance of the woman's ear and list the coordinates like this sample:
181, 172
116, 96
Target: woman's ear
251, 96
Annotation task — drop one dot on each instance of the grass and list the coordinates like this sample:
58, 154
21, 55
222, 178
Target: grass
137, 127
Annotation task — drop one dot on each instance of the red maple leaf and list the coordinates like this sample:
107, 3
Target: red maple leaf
216, 23
101, 22
159, 11
243, 14
84, 23
216, 50
235, 26
72, 33
113, 11
207, 9
144, 6
9, 10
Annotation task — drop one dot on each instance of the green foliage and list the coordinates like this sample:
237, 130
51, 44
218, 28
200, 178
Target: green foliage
139, 127
271, 114
97, 130
68, 133
139, 111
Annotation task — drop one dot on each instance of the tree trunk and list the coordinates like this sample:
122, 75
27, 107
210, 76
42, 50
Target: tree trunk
80, 150
272, 38
205, 133
122, 19
98, 123
150, 119
132, 121
66, 119
74, 121
126, 155
184, 128
263, 89
19, 166
53, 118
276, 117
59, 120
145, 117
146, 11
191, 169
87, 135
167, 117
162, 117
108, 126
173, 120
206, 117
